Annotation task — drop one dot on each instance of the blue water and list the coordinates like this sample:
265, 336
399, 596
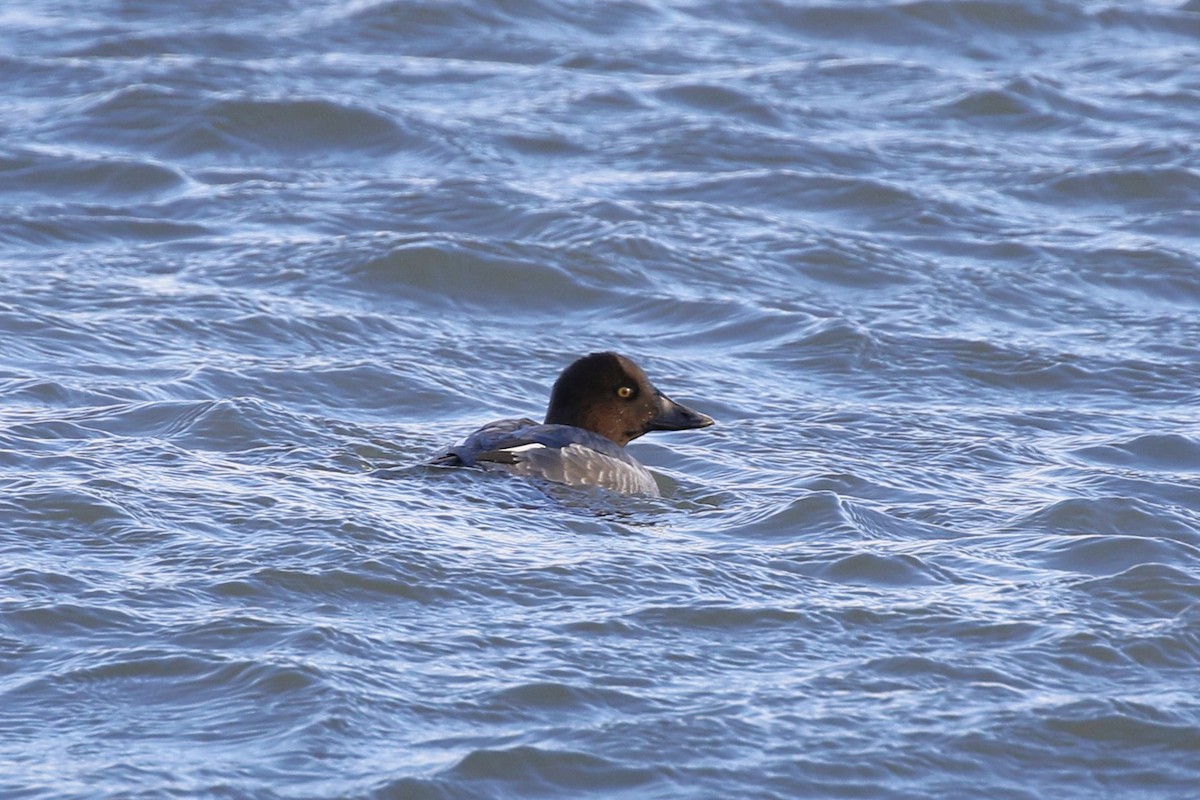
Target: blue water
933, 266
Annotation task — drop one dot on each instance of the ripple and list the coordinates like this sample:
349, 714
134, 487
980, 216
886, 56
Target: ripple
361, 583
564, 698
1168, 452
1147, 591
1130, 723
187, 123
723, 100
58, 226
548, 770
1120, 516
1025, 103
1111, 554
832, 344
1160, 274
925, 22
813, 514
233, 425
70, 619
460, 271
875, 569
73, 507
72, 176
719, 618
1131, 187
306, 126
157, 678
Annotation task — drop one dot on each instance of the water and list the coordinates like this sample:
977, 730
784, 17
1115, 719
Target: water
933, 266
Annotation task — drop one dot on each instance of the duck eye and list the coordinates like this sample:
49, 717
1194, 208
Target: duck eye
625, 392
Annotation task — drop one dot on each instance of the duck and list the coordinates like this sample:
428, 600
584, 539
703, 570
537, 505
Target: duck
600, 403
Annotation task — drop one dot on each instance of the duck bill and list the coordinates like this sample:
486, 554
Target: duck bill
673, 416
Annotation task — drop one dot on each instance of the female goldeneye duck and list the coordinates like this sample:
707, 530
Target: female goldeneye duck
598, 405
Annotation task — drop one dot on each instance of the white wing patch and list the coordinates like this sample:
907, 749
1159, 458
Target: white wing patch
521, 448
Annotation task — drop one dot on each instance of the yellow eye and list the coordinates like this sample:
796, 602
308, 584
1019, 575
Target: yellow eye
625, 392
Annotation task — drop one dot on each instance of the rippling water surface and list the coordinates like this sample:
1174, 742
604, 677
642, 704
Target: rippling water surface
934, 267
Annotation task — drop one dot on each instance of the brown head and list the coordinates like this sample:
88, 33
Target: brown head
610, 395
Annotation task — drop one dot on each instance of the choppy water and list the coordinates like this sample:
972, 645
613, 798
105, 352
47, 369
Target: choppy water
934, 266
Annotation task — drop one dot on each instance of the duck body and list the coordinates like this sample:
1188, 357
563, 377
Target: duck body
599, 403
558, 453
